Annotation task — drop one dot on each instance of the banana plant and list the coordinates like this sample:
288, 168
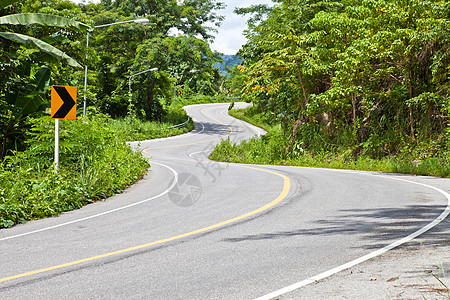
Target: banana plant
22, 101
43, 20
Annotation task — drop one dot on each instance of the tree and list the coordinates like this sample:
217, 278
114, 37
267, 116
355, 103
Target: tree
26, 81
375, 69
128, 49
182, 60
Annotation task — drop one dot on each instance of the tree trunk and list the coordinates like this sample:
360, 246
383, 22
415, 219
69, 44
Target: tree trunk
149, 99
411, 119
411, 95
6, 133
3, 153
354, 109
297, 124
302, 104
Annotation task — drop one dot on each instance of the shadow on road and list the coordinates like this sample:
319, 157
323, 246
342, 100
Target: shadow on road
378, 227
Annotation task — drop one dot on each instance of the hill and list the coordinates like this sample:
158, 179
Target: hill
229, 62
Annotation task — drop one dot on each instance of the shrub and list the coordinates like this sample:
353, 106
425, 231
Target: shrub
95, 163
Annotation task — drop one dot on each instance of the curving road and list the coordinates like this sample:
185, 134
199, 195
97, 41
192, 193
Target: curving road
197, 229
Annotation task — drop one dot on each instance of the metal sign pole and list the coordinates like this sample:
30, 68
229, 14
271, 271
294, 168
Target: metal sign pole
64, 106
56, 145
85, 75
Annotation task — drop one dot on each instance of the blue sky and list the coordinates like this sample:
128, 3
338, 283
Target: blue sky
229, 39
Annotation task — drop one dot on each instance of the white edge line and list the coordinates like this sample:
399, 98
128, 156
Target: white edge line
202, 126
222, 114
103, 213
109, 211
371, 255
179, 125
198, 152
258, 130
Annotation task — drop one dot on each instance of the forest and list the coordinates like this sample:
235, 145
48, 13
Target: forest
66, 37
358, 84
138, 75
350, 80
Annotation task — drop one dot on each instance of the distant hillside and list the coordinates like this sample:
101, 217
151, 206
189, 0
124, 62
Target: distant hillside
229, 62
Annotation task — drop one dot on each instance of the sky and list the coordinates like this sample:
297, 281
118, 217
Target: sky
229, 38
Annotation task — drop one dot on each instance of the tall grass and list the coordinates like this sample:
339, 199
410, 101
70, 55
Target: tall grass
95, 163
272, 149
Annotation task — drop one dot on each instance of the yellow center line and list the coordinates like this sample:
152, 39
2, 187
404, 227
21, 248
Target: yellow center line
200, 142
281, 196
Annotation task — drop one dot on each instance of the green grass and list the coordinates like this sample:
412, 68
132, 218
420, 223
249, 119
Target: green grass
272, 149
135, 130
200, 99
95, 163
250, 115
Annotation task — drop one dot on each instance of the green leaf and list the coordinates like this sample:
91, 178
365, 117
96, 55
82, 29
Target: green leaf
44, 20
32, 101
5, 3
56, 53
42, 79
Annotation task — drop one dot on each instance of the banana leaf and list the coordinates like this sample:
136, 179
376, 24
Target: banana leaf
56, 53
33, 101
44, 20
29, 100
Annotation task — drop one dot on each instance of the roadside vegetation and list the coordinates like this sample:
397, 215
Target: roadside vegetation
43, 43
427, 158
355, 84
95, 163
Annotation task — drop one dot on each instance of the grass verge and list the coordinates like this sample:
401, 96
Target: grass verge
95, 163
271, 149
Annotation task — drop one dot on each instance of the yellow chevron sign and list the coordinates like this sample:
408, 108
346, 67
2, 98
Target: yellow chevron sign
64, 102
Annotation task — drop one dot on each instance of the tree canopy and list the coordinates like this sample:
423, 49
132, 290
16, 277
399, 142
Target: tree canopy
45, 43
376, 69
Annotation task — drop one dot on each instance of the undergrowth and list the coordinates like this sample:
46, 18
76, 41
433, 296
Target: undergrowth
95, 163
430, 157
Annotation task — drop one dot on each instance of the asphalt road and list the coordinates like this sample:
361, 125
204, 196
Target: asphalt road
197, 229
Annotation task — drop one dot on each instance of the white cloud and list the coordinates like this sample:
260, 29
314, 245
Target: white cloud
229, 38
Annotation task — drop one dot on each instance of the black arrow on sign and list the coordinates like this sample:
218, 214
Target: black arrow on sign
68, 102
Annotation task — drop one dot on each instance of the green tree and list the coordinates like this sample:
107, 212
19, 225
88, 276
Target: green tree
129, 49
25, 82
373, 69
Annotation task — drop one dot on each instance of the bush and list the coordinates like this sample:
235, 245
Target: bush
313, 149
95, 163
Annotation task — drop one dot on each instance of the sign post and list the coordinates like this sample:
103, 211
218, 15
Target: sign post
56, 145
64, 100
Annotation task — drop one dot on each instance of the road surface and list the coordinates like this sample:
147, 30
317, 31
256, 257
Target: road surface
198, 229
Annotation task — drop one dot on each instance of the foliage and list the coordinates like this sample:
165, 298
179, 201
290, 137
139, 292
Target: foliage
42, 20
252, 116
95, 162
175, 41
133, 129
271, 149
58, 28
369, 76
193, 60
24, 84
